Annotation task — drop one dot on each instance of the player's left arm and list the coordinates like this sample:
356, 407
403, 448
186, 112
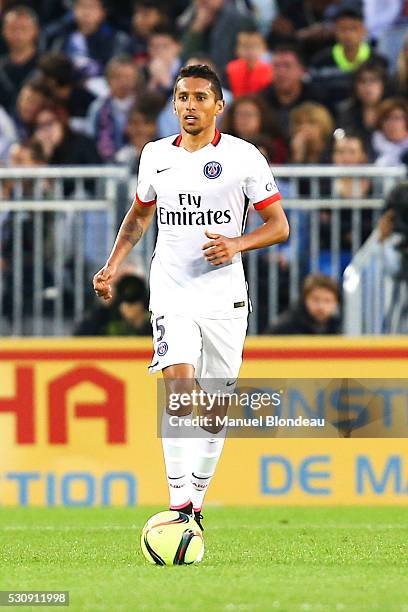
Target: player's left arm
275, 229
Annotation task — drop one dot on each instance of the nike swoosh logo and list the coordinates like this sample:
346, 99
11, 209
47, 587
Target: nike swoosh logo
231, 382
163, 170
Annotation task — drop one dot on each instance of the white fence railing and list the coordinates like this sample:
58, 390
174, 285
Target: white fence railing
327, 230
57, 226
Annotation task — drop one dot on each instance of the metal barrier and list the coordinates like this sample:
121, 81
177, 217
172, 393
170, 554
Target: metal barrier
45, 283
327, 229
56, 227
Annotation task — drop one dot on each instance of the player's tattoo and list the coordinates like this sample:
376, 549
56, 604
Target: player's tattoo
132, 231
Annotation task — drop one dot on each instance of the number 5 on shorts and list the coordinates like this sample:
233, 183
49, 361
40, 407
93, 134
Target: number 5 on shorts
160, 329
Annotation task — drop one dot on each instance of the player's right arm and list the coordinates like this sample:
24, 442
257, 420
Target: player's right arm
134, 225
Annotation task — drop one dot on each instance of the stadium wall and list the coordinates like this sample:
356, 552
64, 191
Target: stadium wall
78, 427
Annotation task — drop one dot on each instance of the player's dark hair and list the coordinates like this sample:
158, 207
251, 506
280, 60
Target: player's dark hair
201, 71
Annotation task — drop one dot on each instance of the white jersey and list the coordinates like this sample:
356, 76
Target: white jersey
209, 189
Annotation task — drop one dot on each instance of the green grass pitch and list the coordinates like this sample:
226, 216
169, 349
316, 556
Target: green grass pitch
257, 559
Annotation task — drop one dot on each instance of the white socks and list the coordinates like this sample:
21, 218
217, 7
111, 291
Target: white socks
175, 451
190, 462
207, 451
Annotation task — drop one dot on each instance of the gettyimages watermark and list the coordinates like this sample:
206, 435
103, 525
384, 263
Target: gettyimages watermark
253, 402
297, 408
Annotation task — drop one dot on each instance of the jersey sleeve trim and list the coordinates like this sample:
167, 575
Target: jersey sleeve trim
141, 203
177, 141
264, 203
217, 137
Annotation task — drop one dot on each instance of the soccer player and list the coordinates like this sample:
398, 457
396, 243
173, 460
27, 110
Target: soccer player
200, 184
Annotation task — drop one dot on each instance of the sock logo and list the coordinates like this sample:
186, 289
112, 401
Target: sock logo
198, 486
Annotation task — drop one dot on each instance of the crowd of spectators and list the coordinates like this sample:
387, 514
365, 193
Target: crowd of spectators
306, 81
100, 73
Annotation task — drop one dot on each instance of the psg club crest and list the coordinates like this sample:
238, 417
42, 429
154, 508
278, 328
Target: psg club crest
162, 349
212, 170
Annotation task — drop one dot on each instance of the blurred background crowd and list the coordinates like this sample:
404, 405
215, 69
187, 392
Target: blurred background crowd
306, 81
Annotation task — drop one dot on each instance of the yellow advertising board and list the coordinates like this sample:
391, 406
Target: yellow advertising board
78, 427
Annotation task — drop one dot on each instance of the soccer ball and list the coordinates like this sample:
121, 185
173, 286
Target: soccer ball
172, 538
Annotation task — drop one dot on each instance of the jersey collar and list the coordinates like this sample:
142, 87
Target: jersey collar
214, 142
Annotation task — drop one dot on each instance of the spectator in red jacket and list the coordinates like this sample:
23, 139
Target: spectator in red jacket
249, 73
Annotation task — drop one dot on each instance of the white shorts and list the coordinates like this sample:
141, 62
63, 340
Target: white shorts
213, 346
